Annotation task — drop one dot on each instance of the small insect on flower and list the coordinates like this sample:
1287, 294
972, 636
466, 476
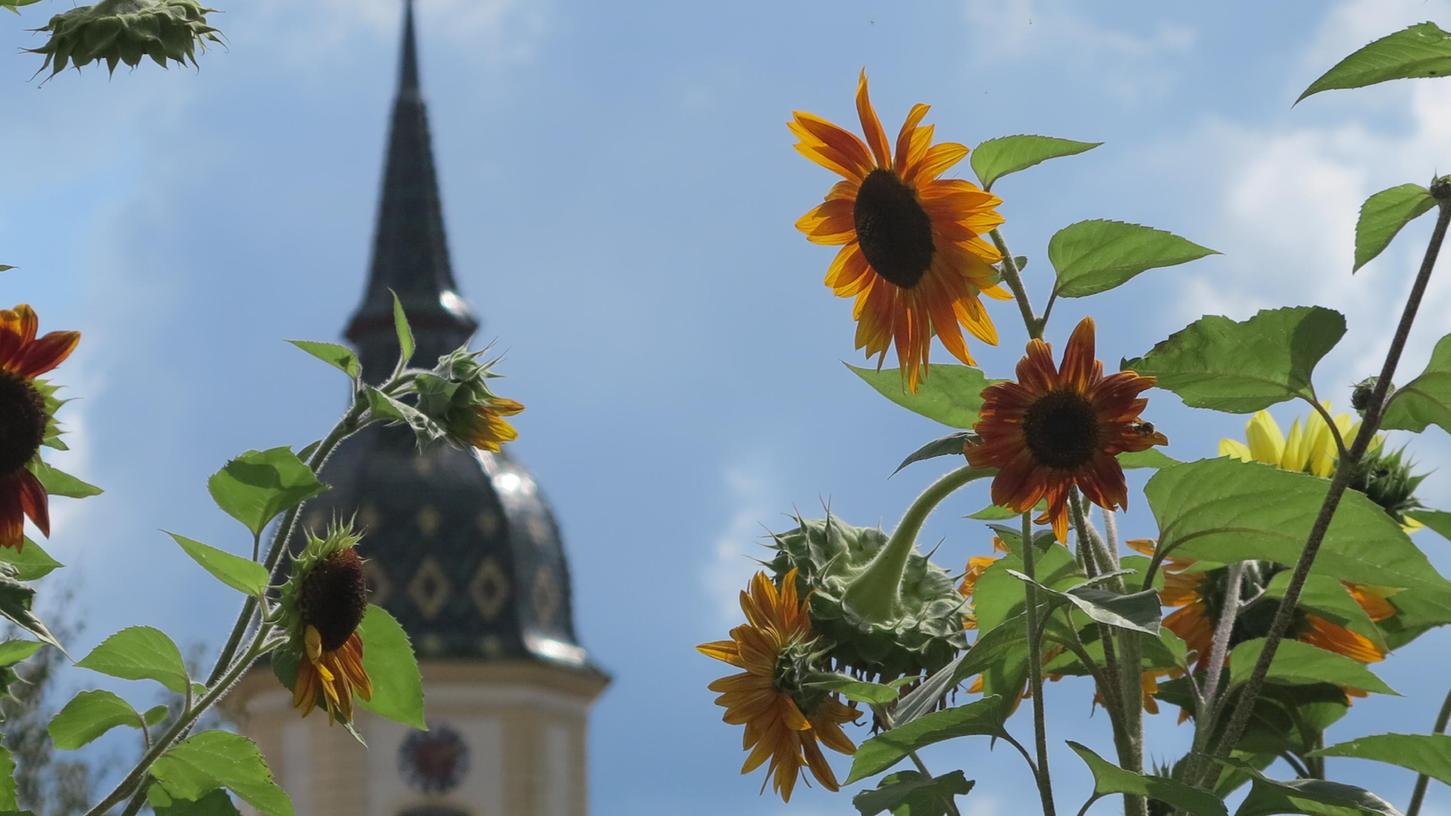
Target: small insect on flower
322, 607
1057, 428
912, 248
786, 721
26, 418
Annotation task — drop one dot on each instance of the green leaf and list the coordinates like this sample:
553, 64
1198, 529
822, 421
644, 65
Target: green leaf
1438, 521
858, 691
1095, 256
15, 600
216, 803
217, 759
425, 429
157, 714
1330, 599
1300, 664
1383, 215
258, 486
242, 574
338, 356
140, 653
950, 445
1109, 778
1138, 611
1152, 458
1428, 754
950, 394
1225, 510
1421, 51
981, 718
58, 483
405, 332
999, 157
6, 267
89, 715
15, 651
994, 513
8, 802
31, 562
910, 793
388, 658
1242, 367
1313, 797
1426, 400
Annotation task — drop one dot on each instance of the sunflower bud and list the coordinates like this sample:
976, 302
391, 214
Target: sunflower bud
922, 631
1388, 479
1362, 392
456, 396
117, 31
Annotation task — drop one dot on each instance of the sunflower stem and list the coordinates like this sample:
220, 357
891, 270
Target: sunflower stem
1345, 468
1035, 668
1218, 648
1419, 794
876, 594
1013, 277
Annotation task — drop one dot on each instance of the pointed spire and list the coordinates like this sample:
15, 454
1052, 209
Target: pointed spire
410, 247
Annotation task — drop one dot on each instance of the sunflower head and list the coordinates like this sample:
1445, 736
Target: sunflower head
912, 251
457, 397
27, 418
1056, 428
117, 31
1390, 481
922, 633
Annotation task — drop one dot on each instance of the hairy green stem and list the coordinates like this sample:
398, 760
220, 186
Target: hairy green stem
1013, 277
1035, 669
1419, 794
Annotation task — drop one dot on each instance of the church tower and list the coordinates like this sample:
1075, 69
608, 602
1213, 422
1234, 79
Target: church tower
462, 549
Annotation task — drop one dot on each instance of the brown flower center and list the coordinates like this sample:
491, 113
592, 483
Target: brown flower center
22, 421
1062, 430
894, 231
334, 597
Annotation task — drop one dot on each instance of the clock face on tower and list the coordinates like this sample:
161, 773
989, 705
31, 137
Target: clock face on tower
434, 761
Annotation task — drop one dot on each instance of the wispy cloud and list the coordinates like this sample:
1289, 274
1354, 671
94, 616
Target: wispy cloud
749, 494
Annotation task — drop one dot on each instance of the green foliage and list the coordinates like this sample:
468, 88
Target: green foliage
8, 801
12, 5
242, 574
1428, 754
1439, 521
950, 445
999, 157
258, 486
858, 691
427, 431
216, 759
1242, 367
338, 356
58, 483
1095, 256
1420, 51
388, 658
89, 715
216, 803
1383, 215
1108, 779
30, 562
1426, 400
1297, 663
950, 394
15, 601
1313, 797
1224, 510
140, 653
404, 331
981, 718
910, 793
1138, 611
1150, 458
15, 651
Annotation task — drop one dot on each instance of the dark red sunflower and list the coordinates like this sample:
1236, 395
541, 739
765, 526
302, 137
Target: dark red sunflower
24, 418
1056, 428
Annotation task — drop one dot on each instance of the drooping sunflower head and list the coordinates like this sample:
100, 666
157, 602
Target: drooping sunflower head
912, 251
322, 607
458, 397
786, 721
1057, 428
127, 31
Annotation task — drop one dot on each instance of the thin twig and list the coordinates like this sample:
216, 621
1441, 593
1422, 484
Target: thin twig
1419, 794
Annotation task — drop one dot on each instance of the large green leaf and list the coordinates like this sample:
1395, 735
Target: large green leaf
1138, 611
999, 157
1242, 367
1225, 510
15, 651
1439, 521
910, 793
242, 574
216, 759
1383, 215
1109, 778
1095, 256
30, 562
1421, 51
1300, 664
60, 483
1428, 754
950, 394
1313, 797
858, 691
89, 715
1151, 458
258, 486
340, 357
388, 658
140, 653
1426, 400
981, 718
216, 803
8, 804
15, 601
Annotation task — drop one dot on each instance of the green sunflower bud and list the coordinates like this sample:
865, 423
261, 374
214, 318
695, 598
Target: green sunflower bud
456, 396
1390, 481
117, 31
921, 632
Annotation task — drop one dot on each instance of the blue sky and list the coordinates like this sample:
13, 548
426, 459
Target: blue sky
620, 190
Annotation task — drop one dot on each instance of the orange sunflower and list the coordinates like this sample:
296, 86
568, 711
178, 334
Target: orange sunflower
323, 606
25, 418
784, 721
912, 251
1056, 428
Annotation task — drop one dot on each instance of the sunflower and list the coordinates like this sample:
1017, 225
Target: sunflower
25, 418
323, 605
483, 425
784, 720
1055, 428
912, 251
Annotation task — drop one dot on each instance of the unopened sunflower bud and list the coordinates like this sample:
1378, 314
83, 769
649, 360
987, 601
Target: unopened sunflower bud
1361, 393
456, 395
117, 31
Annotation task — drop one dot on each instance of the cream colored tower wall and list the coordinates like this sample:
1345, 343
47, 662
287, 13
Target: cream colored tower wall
524, 724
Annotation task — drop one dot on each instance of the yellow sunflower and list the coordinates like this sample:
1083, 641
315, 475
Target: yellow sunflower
912, 248
784, 721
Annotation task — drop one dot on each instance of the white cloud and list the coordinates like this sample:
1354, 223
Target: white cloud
734, 550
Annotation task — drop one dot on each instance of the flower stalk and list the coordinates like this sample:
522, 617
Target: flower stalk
1035, 670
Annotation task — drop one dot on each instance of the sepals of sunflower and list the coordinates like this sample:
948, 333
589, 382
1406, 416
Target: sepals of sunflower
1388, 479
126, 31
923, 631
456, 396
